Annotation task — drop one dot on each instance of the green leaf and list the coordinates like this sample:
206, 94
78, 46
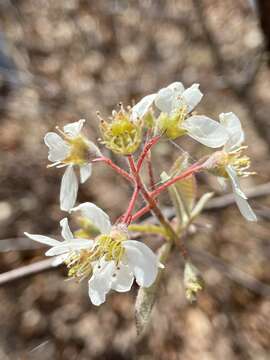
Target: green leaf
200, 204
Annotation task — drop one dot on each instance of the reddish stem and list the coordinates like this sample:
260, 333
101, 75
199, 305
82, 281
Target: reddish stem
150, 171
147, 147
140, 213
192, 169
116, 168
128, 217
150, 199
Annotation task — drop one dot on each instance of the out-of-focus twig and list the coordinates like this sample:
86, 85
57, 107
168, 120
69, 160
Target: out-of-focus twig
235, 274
218, 202
228, 199
24, 271
32, 269
232, 272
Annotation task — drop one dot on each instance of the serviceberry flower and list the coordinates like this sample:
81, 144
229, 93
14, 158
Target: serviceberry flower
111, 260
116, 260
70, 150
176, 103
121, 135
230, 164
61, 250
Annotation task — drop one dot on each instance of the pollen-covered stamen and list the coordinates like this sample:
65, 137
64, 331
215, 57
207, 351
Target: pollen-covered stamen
239, 162
110, 247
79, 264
218, 162
181, 112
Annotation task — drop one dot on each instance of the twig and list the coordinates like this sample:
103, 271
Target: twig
235, 274
24, 271
232, 272
228, 199
219, 202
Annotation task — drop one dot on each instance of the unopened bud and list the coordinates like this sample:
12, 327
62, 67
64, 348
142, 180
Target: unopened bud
192, 281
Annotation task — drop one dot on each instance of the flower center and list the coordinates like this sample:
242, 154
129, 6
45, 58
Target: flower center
79, 151
239, 162
109, 247
172, 124
79, 264
122, 135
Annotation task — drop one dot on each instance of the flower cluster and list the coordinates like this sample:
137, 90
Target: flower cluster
107, 254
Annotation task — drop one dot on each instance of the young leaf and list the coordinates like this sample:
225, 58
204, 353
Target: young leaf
146, 296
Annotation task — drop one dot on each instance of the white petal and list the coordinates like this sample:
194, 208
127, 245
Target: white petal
96, 215
74, 129
100, 283
176, 99
58, 260
43, 239
93, 149
233, 125
69, 246
85, 172
206, 131
58, 148
66, 232
141, 108
164, 100
123, 280
192, 96
245, 208
69, 189
177, 87
142, 261
235, 181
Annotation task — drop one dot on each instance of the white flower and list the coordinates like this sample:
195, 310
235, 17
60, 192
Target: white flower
236, 165
116, 259
71, 150
61, 250
175, 99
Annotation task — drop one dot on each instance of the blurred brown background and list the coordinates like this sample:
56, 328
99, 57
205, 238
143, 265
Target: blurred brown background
63, 60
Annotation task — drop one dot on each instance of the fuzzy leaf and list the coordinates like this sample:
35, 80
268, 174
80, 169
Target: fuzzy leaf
146, 296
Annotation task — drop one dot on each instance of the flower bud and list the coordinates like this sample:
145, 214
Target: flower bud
192, 281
